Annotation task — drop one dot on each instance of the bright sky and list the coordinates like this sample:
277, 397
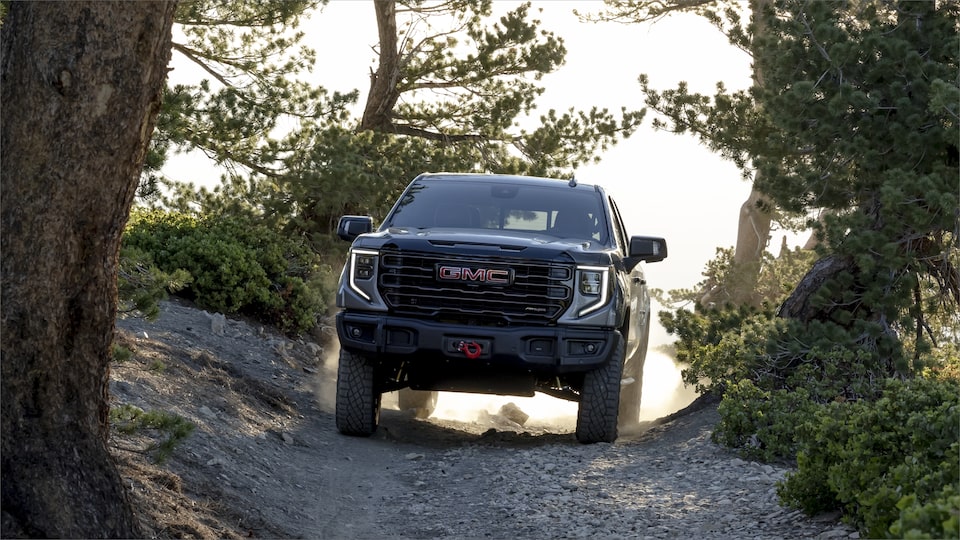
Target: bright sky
665, 185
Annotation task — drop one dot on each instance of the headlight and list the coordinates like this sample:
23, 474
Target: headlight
593, 284
363, 271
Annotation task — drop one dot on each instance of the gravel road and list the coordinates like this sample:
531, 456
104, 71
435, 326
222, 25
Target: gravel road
266, 461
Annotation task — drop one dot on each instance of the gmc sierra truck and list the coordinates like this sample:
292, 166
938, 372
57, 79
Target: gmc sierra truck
494, 284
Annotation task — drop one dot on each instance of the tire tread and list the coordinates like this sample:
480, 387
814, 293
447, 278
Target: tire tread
358, 402
600, 401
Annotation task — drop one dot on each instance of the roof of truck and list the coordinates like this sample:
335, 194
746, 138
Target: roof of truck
506, 179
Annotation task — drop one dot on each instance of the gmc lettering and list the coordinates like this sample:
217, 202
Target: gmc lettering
484, 275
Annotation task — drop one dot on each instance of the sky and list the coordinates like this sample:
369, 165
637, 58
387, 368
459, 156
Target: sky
665, 184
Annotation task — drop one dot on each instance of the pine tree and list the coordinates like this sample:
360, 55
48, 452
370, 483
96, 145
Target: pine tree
451, 84
862, 102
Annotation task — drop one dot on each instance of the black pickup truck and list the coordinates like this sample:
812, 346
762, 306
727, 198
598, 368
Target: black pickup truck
494, 284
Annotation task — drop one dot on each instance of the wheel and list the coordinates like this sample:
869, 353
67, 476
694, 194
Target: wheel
631, 393
358, 401
600, 401
423, 402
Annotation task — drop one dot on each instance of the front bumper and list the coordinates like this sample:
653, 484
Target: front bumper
544, 350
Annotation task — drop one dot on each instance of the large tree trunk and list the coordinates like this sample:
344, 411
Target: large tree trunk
383, 93
753, 228
753, 224
799, 305
80, 84
753, 235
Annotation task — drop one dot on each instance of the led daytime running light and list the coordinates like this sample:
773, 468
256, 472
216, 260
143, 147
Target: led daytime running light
604, 278
353, 271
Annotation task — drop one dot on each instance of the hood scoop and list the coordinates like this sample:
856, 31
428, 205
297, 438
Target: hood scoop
455, 243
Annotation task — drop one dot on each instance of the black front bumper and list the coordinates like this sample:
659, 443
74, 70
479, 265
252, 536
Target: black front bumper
543, 350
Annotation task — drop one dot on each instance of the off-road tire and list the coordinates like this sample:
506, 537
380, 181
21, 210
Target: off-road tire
600, 401
358, 401
422, 402
631, 394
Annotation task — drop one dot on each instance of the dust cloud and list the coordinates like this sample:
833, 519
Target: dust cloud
663, 393
326, 383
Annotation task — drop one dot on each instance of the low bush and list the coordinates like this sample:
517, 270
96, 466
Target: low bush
169, 429
141, 285
236, 266
892, 464
763, 424
867, 409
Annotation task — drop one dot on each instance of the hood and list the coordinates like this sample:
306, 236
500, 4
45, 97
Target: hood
488, 243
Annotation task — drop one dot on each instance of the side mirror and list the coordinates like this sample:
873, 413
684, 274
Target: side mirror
648, 248
350, 227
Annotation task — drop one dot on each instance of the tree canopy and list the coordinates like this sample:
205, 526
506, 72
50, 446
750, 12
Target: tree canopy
450, 91
853, 117
861, 105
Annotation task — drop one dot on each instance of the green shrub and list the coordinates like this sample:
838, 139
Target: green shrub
939, 518
121, 353
170, 428
764, 424
711, 345
238, 266
892, 465
141, 285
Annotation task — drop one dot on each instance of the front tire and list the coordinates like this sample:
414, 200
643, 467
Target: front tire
600, 401
358, 401
422, 402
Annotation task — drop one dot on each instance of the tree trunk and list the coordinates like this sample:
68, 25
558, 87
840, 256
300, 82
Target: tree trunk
80, 84
753, 230
799, 305
753, 225
753, 234
383, 93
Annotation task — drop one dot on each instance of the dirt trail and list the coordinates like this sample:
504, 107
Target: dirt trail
266, 461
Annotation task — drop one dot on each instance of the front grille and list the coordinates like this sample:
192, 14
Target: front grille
539, 293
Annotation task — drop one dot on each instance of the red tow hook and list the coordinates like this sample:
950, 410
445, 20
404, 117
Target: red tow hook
469, 349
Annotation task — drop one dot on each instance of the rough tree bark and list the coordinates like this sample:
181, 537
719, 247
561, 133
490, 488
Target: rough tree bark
753, 228
799, 304
383, 93
753, 231
80, 84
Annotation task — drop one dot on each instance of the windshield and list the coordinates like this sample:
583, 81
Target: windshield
559, 210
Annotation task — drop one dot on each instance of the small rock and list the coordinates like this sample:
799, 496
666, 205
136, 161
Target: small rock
511, 412
413, 456
218, 323
287, 438
207, 413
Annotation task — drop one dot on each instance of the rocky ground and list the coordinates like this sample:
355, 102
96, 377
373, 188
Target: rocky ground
265, 460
